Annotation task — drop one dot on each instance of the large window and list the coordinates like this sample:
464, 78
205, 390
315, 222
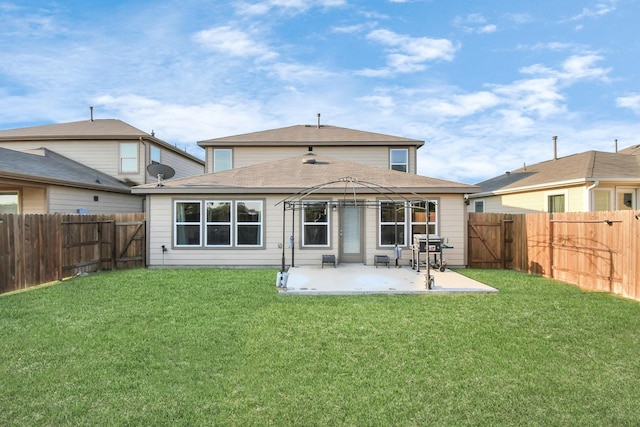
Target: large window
188, 222
392, 223
218, 223
396, 218
226, 223
315, 224
9, 202
249, 223
399, 159
222, 159
129, 157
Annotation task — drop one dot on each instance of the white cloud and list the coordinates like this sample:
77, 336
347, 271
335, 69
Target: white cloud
474, 23
288, 6
234, 42
409, 54
575, 67
631, 102
461, 105
600, 9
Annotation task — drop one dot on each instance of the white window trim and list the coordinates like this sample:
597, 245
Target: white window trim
238, 223
234, 223
230, 150
564, 193
392, 163
481, 202
634, 196
592, 197
121, 158
401, 221
151, 150
176, 223
327, 223
230, 224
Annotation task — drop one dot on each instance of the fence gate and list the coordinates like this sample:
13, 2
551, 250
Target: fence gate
490, 241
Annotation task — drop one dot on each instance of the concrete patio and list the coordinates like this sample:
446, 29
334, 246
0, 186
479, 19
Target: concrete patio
355, 279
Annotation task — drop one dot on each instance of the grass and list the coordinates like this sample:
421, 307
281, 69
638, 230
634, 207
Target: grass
220, 347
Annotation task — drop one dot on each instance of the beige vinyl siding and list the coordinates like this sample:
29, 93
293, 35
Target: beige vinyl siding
377, 156
451, 222
69, 200
104, 155
535, 201
183, 166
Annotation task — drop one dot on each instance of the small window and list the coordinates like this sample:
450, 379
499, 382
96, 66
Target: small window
222, 159
187, 231
556, 203
399, 160
155, 154
249, 223
392, 223
478, 206
9, 202
315, 224
129, 157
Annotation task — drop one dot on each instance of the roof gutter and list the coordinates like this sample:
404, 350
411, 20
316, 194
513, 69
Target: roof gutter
588, 201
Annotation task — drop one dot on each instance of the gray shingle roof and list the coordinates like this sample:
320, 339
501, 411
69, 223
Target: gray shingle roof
85, 128
307, 134
581, 167
46, 166
293, 174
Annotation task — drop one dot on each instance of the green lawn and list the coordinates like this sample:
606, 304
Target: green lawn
220, 347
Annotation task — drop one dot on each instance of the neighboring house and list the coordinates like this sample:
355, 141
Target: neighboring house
40, 181
108, 145
583, 182
291, 195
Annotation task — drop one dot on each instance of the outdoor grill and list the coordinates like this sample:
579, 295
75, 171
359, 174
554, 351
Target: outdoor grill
430, 247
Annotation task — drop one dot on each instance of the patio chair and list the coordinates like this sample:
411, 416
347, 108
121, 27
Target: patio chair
329, 259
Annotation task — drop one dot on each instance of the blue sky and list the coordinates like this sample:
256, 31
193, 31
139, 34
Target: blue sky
486, 84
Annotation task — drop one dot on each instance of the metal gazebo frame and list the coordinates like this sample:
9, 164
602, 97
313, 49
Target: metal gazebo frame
296, 202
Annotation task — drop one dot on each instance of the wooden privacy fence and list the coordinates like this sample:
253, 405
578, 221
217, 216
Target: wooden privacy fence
37, 249
597, 251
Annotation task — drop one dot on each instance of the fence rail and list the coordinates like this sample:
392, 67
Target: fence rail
597, 251
37, 249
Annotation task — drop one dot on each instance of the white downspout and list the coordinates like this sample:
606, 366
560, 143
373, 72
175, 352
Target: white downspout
589, 204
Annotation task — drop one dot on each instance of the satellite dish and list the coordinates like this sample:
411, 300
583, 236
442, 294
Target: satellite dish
160, 171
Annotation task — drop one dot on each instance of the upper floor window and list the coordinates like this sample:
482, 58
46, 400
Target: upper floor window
129, 157
399, 159
222, 159
9, 202
315, 224
155, 154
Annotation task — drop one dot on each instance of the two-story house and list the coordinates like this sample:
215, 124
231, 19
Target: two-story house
104, 146
290, 195
584, 182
